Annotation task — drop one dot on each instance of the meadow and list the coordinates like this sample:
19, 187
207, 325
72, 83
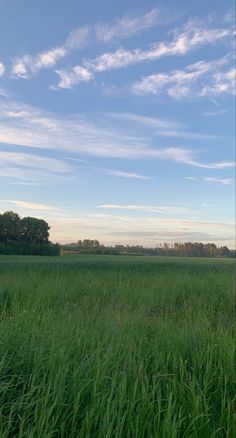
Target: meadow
117, 347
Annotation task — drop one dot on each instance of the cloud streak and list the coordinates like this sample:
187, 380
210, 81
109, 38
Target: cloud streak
163, 127
127, 174
23, 125
28, 65
146, 208
218, 112
71, 77
2, 69
200, 79
126, 27
193, 36
223, 181
24, 168
29, 205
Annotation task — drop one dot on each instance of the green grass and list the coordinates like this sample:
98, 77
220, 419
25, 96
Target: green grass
117, 347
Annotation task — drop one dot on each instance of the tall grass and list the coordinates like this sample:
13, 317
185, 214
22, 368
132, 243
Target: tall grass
117, 347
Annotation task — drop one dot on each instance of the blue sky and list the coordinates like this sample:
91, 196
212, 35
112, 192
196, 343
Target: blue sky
117, 118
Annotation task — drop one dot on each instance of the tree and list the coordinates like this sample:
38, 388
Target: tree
10, 226
34, 230
89, 244
223, 251
210, 250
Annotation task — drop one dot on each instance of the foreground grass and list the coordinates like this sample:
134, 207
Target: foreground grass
116, 347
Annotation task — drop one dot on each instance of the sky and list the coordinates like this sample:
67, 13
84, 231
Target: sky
117, 118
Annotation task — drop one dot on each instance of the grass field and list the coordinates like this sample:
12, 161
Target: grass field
117, 347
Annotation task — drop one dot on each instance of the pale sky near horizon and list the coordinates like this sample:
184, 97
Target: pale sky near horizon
117, 118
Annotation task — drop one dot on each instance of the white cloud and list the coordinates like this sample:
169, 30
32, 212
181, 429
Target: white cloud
23, 168
193, 36
3, 92
72, 76
222, 83
27, 65
196, 80
30, 160
165, 128
126, 27
146, 208
217, 165
28, 205
24, 125
153, 122
2, 69
206, 205
224, 181
126, 174
190, 178
218, 112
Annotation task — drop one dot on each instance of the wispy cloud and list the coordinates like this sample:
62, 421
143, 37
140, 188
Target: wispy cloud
217, 165
32, 169
190, 178
2, 69
30, 160
24, 125
153, 122
224, 181
126, 174
218, 112
146, 208
29, 205
193, 36
163, 127
206, 205
3, 92
126, 26
28, 65
200, 79
68, 78
223, 82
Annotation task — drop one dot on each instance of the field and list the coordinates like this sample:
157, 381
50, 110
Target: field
117, 347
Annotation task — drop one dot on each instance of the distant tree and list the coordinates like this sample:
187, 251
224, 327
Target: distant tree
210, 250
223, 251
88, 244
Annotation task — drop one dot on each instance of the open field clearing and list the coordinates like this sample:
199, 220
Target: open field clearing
117, 347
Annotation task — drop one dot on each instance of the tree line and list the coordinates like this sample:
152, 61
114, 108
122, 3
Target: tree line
30, 235
27, 235
187, 249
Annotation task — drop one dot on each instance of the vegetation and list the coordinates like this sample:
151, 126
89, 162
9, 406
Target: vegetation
95, 347
188, 249
28, 235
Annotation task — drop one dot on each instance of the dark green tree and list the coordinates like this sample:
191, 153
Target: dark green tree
34, 230
10, 227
